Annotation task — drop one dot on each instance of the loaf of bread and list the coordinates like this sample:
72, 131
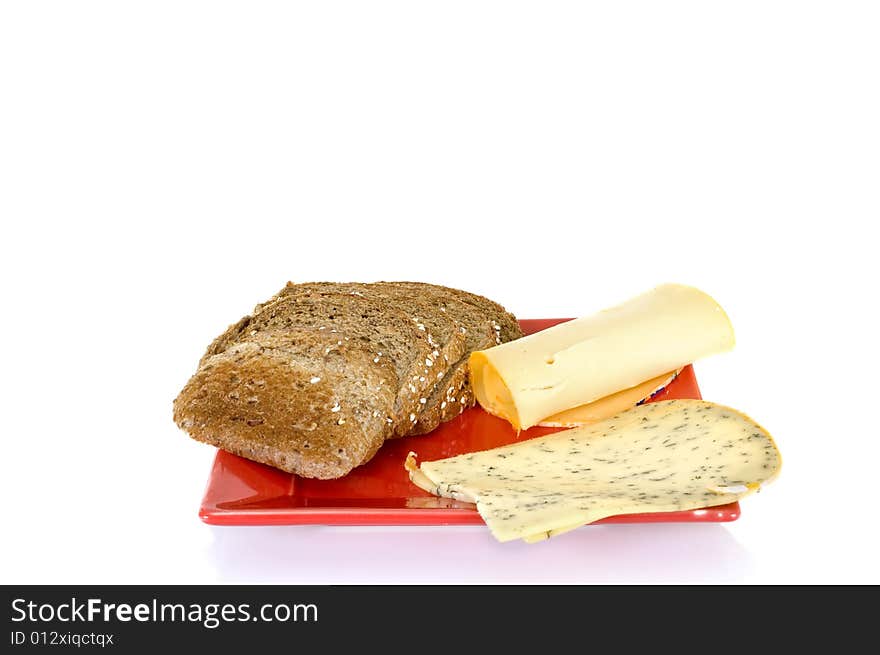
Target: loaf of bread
320, 375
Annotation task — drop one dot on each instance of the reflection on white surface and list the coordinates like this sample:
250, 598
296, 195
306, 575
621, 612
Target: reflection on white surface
628, 554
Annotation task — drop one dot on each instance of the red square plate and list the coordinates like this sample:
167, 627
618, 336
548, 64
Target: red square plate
242, 492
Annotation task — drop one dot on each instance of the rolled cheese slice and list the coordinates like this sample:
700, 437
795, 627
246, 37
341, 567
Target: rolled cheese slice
666, 456
580, 361
609, 405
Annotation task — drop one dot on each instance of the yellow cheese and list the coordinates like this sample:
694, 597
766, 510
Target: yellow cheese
580, 361
657, 457
609, 405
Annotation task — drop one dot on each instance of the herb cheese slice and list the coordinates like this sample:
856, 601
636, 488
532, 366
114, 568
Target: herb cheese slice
658, 457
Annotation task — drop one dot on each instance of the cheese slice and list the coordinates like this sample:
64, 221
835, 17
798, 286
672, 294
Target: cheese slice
578, 362
658, 457
609, 405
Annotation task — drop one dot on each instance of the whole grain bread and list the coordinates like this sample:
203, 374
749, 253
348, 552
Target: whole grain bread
482, 322
318, 376
386, 330
450, 338
293, 399
450, 395
487, 324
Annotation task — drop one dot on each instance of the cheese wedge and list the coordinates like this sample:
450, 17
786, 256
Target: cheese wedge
609, 405
578, 362
657, 457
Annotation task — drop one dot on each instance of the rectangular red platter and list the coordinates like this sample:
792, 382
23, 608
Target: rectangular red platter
242, 492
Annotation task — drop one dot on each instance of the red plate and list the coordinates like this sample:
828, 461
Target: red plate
242, 492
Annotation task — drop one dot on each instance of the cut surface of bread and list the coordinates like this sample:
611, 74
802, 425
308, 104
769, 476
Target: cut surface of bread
387, 332
482, 322
446, 332
295, 400
486, 323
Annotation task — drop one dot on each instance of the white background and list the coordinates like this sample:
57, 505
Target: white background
166, 165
